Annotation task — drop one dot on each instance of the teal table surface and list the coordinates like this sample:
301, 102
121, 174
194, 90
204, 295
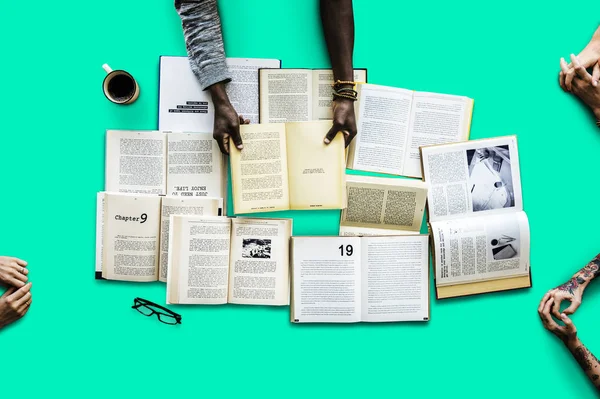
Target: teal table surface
81, 338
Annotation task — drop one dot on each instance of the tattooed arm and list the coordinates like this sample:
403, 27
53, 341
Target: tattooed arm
573, 289
568, 335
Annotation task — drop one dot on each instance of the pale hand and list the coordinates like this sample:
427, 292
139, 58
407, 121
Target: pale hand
588, 57
13, 271
14, 303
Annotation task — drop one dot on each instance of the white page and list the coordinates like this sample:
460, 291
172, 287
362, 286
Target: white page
285, 95
195, 166
131, 237
323, 92
351, 231
481, 248
383, 123
182, 206
198, 269
326, 279
395, 279
259, 261
135, 162
473, 178
183, 105
435, 119
243, 88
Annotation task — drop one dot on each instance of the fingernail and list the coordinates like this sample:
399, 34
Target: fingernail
240, 146
326, 141
564, 316
595, 83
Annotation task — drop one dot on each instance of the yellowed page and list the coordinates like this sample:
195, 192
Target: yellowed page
259, 261
483, 287
259, 172
131, 237
182, 206
384, 203
316, 171
285, 95
199, 256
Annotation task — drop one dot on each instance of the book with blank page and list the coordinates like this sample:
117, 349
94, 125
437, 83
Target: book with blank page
185, 107
298, 95
132, 233
216, 260
480, 233
286, 166
393, 123
380, 206
175, 164
360, 279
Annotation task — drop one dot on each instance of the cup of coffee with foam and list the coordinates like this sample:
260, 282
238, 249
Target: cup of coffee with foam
119, 86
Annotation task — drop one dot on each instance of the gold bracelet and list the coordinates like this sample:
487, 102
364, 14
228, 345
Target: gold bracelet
344, 82
344, 96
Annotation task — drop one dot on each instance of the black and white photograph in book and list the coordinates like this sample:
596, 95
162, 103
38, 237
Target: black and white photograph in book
504, 240
490, 178
256, 248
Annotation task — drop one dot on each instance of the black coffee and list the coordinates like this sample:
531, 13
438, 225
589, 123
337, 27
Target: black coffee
121, 88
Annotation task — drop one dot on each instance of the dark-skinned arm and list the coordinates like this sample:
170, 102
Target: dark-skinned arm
204, 42
337, 17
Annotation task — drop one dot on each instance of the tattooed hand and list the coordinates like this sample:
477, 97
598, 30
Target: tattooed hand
567, 333
572, 290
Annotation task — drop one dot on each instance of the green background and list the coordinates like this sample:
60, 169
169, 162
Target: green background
82, 339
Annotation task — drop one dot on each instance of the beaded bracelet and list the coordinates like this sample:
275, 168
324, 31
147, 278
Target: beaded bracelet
353, 98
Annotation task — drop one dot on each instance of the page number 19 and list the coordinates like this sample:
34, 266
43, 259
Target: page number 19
349, 250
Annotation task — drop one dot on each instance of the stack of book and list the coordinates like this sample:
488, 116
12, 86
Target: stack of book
162, 216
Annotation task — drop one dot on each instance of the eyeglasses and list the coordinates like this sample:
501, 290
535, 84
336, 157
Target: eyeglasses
148, 308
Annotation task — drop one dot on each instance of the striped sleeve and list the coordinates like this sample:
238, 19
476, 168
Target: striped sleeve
204, 40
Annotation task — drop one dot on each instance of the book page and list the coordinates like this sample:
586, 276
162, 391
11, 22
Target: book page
259, 261
135, 162
384, 203
259, 173
323, 92
195, 166
183, 105
383, 122
350, 231
285, 95
395, 278
182, 206
99, 233
482, 248
313, 164
243, 88
435, 119
326, 279
131, 237
478, 177
198, 271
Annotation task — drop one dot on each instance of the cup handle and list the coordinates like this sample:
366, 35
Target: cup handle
107, 68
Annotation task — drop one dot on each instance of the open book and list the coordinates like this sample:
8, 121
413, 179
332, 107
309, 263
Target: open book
176, 164
185, 107
296, 95
481, 240
379, 206
216, 260
393, 123
354, 279
132, 233
287, 166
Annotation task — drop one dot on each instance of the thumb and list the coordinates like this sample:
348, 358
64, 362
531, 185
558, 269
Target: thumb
8, 292
568, 323
596, 74
236, 136
331, 134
